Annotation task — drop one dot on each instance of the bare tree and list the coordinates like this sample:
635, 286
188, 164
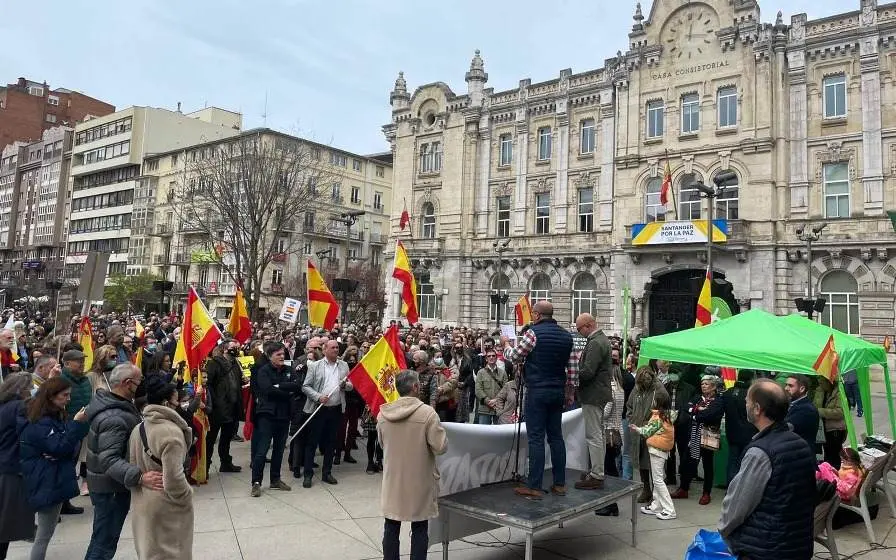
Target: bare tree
243, 200
367, 303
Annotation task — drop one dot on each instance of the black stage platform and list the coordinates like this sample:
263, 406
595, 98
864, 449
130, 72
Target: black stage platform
499, 505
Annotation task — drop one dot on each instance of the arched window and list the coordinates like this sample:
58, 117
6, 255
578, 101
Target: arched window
842, 310
654, 210
501, 286
429, 221
540, 288
727, 201
584, 295
689, 201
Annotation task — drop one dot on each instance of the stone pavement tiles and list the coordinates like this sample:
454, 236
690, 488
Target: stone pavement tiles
343, 522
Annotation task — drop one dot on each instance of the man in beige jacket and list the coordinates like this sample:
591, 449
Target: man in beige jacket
411, 436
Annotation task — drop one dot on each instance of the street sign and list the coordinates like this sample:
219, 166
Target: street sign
93, 277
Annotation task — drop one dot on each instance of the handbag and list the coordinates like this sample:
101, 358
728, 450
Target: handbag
612, 437
710, 438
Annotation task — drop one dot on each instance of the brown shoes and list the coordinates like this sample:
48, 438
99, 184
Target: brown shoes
589, 483
529, 493
558, 490
705, 499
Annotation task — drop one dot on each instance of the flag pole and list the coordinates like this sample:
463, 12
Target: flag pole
316, 410
671, 186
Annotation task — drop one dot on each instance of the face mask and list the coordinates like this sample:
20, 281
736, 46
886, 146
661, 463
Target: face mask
110, 365
439, 362
151, 347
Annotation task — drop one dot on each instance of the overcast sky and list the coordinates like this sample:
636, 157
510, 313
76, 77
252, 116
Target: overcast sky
325, 67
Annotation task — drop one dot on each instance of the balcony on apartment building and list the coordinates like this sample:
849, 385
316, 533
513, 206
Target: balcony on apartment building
333, 231
377, 238
163, 230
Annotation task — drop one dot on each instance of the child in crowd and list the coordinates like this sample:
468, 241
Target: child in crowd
660, 435
850, 476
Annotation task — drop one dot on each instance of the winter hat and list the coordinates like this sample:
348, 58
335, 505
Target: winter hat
158, 390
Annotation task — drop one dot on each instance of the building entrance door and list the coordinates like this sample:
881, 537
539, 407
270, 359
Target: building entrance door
673, 300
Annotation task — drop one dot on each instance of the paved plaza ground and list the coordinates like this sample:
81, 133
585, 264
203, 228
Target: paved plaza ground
343, 522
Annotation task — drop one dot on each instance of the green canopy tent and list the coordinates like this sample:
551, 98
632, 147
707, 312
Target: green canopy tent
757, 339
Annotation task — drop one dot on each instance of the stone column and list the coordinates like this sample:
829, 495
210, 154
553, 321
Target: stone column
520, 202
607, 151
559, 197
483, 175
872, 146
799, 152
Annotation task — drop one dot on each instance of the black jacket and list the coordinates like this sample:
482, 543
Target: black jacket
803, 419
272, 389
738, 429
112, 419
12, 420
711, 415
225, 385
684, 395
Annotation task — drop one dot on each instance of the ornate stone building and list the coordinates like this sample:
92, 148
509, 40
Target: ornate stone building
568, 173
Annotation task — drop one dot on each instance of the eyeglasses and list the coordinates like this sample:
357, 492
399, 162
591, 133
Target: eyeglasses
490, 356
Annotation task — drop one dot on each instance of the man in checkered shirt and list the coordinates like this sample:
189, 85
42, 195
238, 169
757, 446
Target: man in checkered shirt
551, 374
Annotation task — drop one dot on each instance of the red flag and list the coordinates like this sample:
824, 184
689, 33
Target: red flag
667, 184
405, 219
374, 376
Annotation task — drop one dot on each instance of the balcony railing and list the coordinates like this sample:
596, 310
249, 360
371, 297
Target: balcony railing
181, 258
158, 259
163, 229
378, 238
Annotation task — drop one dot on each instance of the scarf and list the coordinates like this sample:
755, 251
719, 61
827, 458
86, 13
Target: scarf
697, 427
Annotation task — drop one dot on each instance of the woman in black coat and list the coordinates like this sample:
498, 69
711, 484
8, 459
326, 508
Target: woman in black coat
16, 516
706, 410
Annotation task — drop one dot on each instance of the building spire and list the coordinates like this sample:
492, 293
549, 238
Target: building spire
477, 69
399, 98
639, 18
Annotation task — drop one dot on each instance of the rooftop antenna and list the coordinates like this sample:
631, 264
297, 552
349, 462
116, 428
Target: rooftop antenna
264, 115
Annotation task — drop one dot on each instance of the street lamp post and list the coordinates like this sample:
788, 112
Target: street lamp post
498, 299
809, 304
721, 181
345, 284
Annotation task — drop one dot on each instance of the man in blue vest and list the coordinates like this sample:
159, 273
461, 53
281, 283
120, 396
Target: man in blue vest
767, 512
551, 368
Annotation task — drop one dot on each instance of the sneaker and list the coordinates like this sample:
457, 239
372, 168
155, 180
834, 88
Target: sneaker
86, 491
256, 489
649, 510
666, 515
280, 485
307, 482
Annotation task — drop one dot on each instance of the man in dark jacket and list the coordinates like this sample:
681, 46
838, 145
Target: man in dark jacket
594, 393
113, 416
767, 512
272, 389
225, 385
738, 429
550, 371
82, 393
802, 415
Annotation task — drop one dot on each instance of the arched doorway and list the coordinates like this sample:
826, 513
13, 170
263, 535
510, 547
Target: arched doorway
673, 300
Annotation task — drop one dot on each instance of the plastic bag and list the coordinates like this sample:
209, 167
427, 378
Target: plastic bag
707, 545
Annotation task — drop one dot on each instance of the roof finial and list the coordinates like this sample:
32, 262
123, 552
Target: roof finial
780, 19
400, 92
477, 69
638, 17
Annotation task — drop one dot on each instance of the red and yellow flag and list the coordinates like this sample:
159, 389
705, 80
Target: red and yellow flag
85, 339
374, 376
828, 363
239, 325
402, 272
139, 335
322, 307
704, 304
523, 311
198, 336
667, 184
729, 376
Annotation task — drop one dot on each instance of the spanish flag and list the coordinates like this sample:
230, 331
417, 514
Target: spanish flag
402, 272
198, 336
239, 325
667, 183
11, 325
523, 311
85, 339
322, 307
374, 376
828, 362
139, 334
704, 304
729, 376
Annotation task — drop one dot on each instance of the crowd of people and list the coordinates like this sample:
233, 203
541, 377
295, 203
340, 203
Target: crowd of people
126, 435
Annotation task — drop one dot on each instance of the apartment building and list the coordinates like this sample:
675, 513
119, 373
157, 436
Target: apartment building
108, 213
355, 183
27, 108
33, 208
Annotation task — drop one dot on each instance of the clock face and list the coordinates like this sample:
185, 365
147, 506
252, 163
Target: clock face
690, 32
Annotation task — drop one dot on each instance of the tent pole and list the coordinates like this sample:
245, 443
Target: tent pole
889, 391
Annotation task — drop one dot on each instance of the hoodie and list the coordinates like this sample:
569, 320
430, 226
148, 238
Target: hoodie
112, 419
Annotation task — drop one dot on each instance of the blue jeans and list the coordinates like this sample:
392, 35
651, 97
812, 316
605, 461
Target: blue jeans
853, 396
109, 512
544, 410
625, 458
268, 431
486, 419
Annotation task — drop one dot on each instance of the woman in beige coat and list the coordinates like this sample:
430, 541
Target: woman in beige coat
411, 436
162, 520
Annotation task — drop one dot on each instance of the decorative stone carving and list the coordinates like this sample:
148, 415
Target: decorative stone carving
740, 255
639, 18
869, 12
701, 256
635, 258
797, 28
555, 262
836, 258
503, 189
514, 263
882, 255
794, 256
744, 303
668, 258
866, 255
585, 179
835, 153
601, 261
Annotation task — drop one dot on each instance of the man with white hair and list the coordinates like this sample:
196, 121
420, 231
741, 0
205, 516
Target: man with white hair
7, 363
113, 416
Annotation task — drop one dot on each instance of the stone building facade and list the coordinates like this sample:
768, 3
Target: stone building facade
568, 173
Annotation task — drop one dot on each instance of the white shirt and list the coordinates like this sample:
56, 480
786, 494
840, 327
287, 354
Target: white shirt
331, 373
